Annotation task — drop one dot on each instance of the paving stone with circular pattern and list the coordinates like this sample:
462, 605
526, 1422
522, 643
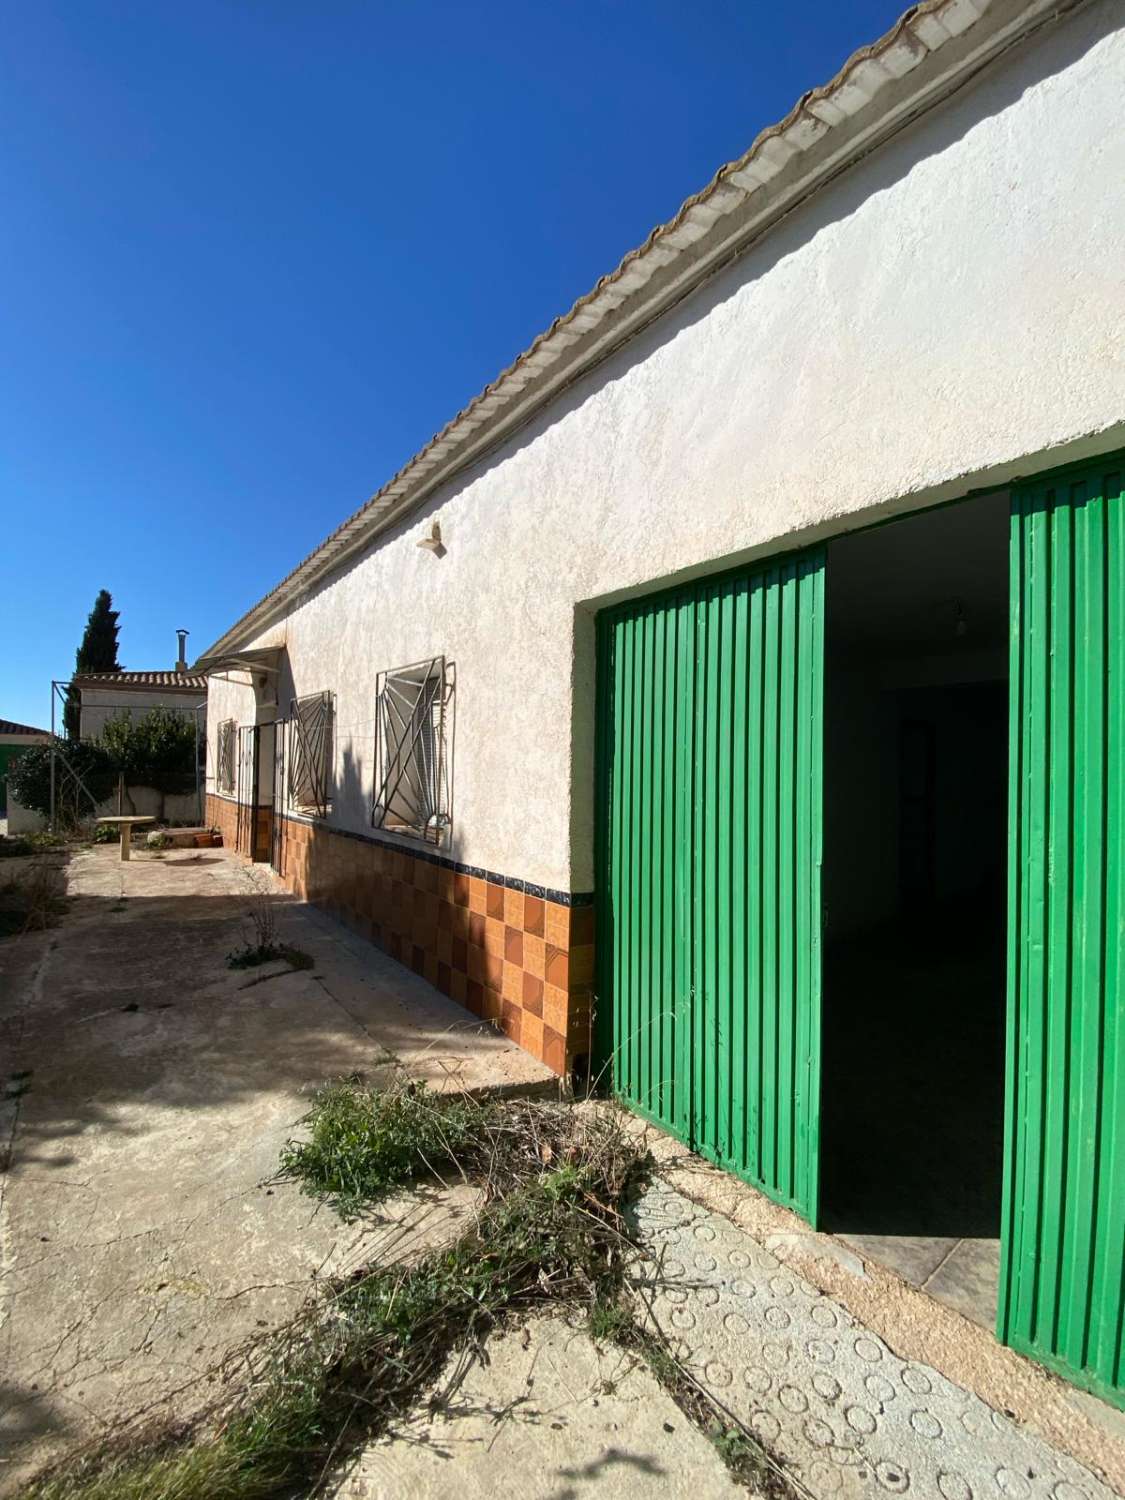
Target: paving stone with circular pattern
827, 1396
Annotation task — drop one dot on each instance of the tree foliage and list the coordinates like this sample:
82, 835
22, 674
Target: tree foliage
29, 778
96, 653
156, 750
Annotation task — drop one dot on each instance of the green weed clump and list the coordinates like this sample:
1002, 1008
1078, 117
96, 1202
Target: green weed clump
267, 953
363, 1143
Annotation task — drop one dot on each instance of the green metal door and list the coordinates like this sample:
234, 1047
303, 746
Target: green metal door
1062, 1282
709, 857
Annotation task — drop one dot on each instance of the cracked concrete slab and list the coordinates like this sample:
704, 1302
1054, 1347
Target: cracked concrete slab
141, 1233
846, 1415
550, 1415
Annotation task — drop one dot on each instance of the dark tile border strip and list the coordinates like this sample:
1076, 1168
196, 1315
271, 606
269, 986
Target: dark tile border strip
512, 882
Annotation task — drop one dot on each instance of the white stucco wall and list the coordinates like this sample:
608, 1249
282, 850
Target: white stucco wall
101, 704
948, 314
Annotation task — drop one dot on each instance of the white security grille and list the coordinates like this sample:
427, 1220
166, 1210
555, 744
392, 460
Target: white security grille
226, 756
310, 753
414, 719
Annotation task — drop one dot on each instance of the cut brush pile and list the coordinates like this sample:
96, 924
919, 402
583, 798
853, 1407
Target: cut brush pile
362, 1351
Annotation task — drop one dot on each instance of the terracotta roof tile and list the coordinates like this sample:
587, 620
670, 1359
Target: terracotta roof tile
183, 682
9, 726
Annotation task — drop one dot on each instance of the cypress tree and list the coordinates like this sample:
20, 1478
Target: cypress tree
97, 653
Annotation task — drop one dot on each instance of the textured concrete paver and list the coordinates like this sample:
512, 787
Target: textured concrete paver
550, 1417
825, 1394
909, 1321
140, 1234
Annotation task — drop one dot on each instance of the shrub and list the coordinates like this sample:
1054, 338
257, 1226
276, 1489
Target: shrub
156, 750
29, 777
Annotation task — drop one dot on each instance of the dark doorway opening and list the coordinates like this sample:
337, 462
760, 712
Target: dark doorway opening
916, 715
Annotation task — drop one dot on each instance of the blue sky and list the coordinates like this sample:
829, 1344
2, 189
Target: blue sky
254, 254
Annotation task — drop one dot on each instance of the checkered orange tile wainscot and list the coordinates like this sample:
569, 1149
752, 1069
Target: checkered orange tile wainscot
516, 955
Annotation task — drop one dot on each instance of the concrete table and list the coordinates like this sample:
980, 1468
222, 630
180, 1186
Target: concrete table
126, 827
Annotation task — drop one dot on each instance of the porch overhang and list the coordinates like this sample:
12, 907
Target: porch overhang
262, 659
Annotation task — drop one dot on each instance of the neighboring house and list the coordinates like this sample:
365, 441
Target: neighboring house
14, 740
627, 651
105, 695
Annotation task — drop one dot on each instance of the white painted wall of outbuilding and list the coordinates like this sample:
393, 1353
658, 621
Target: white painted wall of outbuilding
949, 313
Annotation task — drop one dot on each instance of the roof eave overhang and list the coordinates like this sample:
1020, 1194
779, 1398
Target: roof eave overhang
934, 50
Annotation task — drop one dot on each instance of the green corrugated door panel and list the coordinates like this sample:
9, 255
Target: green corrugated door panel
1062, 1291
709, 859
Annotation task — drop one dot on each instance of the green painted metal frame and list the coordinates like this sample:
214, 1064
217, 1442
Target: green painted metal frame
1062, 1273
709, 822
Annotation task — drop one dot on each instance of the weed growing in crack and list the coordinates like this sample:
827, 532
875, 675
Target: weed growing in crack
261, 915
614, 1320
253, 958
260, 926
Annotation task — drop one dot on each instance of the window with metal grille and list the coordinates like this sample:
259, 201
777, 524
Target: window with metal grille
225, 756
310, 753
414, 732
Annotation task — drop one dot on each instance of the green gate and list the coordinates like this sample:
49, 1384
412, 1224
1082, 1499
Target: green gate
1063, 1235
709, 856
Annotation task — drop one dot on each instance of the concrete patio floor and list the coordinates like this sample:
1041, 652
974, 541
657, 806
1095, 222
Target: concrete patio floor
147, 1090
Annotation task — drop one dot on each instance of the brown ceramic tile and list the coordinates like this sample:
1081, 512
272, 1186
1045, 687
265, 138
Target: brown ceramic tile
493, 970
578, 1031
534, 955
474, 996
581, 926
494, 936
460, 955
531, 1034
444, 974
512, 986
460, 888
476, 962
532, 994
554, 1050
445, 915
494, 900
458, 986
493, 1004
510, 1017
477, 893
443, 946
417, 959
556, 1005
533, 915
582, 965
513, 945
556, 927
558, 967
513, 907
476, 928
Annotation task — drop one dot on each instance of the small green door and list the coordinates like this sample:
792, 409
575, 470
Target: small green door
1062, 1275
709, 862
